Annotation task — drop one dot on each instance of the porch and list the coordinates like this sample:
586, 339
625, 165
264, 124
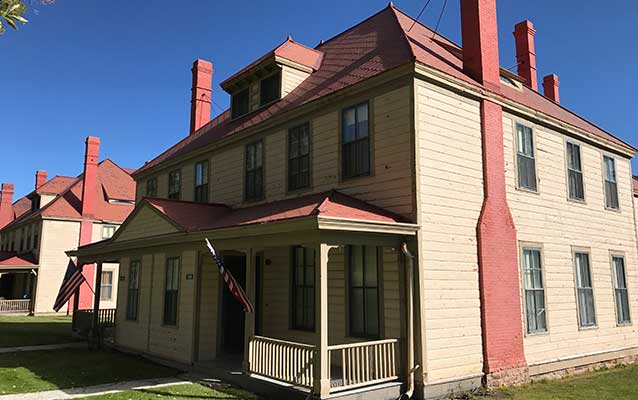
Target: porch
18, 282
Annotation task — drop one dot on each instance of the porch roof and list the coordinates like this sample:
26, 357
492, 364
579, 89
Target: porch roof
10, 260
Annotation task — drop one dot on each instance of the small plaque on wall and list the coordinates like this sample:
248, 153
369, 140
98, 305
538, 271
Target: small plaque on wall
122, 278
189, 277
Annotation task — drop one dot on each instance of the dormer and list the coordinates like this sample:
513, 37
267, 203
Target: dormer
271, 77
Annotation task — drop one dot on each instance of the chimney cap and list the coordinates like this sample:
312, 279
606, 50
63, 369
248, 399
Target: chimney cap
525, 25
93, 139
553, 78
202, 64
7, 187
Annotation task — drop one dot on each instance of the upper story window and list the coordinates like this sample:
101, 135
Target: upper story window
35, 203
201, 182
525, 157
254, 180
611, 188
175, 185
575, 172
151, 187
270, 89
108, 231
240, 103
355, 139
299, 157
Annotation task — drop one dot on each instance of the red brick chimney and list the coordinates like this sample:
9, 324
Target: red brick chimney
6, 204
40, 179
524, 33
89, 190
201, 94
550, 87
501, 320
480, 40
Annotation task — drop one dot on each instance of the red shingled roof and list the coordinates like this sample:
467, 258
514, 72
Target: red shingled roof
10, 259
199, 216
56, 185
376, 45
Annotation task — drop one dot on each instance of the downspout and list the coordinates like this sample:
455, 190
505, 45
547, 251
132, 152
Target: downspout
409, 302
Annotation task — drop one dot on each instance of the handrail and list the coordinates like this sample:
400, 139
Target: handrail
282, 360
360, 344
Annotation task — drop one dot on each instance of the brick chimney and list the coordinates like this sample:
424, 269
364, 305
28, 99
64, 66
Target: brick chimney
89, 190
524, 33
480, 41
501, 320
6, 204
40, 179
201, 94
550, 87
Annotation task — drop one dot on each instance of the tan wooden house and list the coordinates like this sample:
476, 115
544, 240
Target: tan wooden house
406, 217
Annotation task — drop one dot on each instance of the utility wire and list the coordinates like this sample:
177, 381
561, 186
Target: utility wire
436, 28
215, 104
419, 16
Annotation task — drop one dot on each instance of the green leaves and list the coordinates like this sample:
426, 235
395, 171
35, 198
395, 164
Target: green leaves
11, 13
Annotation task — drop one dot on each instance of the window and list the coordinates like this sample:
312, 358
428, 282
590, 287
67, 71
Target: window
254, 184
534, 291
303, 292
106, 285
585, 291
171, 292
133, 294
355, 137
108, 231
22, 234
151, 187
36, 236
620, 290
363, 291
29, 230
201, 182
270, 89
611, 189
240, 103
575, 172
35, 203
175, 185
299, 157
525, 157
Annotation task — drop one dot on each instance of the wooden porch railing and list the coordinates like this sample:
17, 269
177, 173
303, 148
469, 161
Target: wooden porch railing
282, 360
15, 306
363, 364
83, 319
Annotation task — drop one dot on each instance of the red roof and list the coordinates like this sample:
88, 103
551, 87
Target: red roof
376, 45
114, 184
200, 216
10, 259
56, 185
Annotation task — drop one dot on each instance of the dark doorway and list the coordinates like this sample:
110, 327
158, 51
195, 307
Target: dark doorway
232, 312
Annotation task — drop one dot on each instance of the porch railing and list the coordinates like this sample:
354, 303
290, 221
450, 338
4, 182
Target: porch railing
282, 360
83, 320
362, 364
15, 306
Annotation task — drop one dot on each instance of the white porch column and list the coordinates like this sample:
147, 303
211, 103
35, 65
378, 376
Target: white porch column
321, 377
249, 324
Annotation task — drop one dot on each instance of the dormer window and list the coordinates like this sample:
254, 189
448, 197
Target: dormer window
35, 203
270, 89
240, 103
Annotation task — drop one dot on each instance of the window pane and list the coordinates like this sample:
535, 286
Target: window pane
240, 103
270, 89
610, 169
356, 311
611, 195
362, 121
372, 312
356, 269
349, 125
619, 271
371, 266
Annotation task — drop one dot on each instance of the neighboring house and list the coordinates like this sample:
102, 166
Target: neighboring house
59, 214
334, 166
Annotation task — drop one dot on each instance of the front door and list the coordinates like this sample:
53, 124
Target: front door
232, 312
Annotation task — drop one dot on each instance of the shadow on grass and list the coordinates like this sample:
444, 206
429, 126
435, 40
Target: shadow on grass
22, 332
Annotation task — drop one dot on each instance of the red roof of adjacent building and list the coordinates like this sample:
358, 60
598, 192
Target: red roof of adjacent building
56, 185
10, 259
379, 44
114, 183
202, 217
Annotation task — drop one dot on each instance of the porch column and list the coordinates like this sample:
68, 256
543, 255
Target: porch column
249, 325
95, 328
322, 362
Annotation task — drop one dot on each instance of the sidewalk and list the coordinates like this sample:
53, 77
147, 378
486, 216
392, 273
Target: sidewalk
96, 390
4, 350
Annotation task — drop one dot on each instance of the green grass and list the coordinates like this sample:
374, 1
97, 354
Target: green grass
178, 392
29, 331
609, 384
36, 371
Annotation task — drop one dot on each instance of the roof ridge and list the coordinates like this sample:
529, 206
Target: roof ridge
404, 36
352, 27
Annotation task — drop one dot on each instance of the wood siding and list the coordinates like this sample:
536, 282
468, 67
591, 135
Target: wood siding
146, 223
450, 196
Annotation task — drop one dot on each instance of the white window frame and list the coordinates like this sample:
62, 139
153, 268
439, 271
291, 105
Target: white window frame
525, 246
604, 174
613, 256
568, 169
584, 289
517, 153
107, 227
109, 285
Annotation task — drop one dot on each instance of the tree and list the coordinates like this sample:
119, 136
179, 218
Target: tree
12, 12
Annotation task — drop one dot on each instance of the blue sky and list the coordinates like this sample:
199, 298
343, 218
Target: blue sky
120, 69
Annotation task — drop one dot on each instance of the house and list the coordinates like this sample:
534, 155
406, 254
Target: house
61, 213
404, 214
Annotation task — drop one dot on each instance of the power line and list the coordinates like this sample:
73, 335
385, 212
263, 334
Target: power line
436, 28
215, 104
419, 16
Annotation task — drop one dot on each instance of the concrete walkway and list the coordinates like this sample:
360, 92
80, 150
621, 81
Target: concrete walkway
4, 350
97, 390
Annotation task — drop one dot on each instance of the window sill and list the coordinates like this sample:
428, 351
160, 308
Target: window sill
537, 334
588, 328
577, 201
527, 190
616, 210
623, 324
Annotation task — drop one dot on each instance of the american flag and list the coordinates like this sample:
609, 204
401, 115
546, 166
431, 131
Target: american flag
73, 278
232, 284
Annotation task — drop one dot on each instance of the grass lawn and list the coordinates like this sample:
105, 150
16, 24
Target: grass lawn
36, 371
28, 331
177, 392
616, 383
